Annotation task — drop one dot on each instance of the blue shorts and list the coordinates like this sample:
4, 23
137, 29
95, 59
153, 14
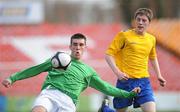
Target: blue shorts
146, 94
106, 108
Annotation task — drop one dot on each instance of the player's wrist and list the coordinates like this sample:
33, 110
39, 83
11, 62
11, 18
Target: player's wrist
159, 77
133, 94
9, 80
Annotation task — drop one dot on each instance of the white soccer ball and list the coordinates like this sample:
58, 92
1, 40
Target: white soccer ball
61, 60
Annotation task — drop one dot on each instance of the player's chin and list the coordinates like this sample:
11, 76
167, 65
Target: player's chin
77, 57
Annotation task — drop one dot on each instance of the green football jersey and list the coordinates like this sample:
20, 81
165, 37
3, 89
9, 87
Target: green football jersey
72, 81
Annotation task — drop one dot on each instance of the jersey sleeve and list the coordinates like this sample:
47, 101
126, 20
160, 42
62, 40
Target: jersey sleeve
116, 45
30, 72
97, 83
153, 54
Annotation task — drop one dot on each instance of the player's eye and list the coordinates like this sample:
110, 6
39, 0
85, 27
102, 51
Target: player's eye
144, 20
81, 44
75, 44
138, 19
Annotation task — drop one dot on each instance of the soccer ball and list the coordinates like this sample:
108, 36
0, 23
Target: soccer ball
61, 60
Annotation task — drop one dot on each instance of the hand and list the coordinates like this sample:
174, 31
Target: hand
6, 83
162, 81
122, 76
136, 90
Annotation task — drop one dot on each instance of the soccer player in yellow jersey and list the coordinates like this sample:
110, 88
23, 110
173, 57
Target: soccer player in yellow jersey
128, 56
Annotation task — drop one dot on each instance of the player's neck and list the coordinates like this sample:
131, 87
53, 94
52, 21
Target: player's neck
140, 33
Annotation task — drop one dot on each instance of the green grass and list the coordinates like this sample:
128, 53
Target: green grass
83, 105
23, 104
19, 104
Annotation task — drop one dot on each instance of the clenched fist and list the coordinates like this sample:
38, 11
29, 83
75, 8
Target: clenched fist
6, 83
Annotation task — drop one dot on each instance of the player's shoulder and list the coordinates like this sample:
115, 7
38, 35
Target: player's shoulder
149, 35
124, 32
84, 64
89, 67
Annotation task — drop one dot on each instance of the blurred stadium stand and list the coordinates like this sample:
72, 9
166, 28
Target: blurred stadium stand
12, 59
167, 33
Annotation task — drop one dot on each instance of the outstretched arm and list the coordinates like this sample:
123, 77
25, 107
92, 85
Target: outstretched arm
106, 88
29, 72
155, 65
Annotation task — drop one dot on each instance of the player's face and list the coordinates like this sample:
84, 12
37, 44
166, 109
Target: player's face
141, 24
77, 48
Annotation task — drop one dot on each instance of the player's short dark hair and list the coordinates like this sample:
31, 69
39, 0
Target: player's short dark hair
78, 36
144, 11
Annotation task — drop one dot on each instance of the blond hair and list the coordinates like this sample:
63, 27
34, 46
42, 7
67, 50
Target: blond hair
144, 11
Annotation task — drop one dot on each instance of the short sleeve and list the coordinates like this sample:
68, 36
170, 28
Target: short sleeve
153, 54
116, 45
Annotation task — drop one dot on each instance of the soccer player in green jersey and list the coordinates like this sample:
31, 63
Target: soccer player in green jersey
128, 56
62, 89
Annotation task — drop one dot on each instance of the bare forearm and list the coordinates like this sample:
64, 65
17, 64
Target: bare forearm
112, 64
155, 66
